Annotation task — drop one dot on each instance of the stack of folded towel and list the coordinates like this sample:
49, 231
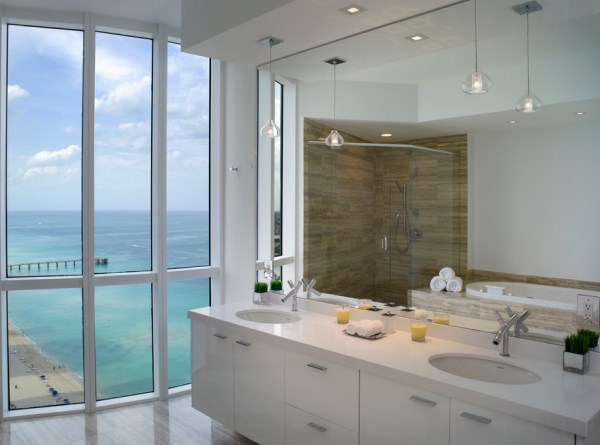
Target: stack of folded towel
446, 280
364, 328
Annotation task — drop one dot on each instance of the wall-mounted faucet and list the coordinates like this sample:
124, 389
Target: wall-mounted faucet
505, 325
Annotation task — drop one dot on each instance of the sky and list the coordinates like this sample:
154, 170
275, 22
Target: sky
44, 125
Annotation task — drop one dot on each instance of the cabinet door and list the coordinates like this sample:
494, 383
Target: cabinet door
258, 390
474, 425
212, 372
302, 428
322, 388
396, 414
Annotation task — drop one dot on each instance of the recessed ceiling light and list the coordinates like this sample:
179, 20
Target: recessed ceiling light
386, 135
417, 37
580, 113
513, 122
352, 9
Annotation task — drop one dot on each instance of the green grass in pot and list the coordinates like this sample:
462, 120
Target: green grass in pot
276, 285
592, 336
577, 343
261, 287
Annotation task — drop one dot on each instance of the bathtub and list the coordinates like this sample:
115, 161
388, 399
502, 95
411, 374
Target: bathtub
529, 294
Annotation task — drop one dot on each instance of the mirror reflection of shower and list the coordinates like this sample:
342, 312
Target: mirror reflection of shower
405, 231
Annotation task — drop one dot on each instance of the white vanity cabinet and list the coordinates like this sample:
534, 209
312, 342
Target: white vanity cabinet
238, 381
392, 413
474, 425
212, 372
258, 389
322, 387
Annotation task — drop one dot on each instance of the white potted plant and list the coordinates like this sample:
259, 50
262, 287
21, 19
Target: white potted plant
576, 356
261, 294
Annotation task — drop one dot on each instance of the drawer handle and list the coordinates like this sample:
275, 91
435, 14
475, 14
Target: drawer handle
221, 336
319, 367
243, 343
317, 427
422, 400
475, 417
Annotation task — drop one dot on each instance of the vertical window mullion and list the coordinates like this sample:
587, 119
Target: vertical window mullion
159, 208
89, 316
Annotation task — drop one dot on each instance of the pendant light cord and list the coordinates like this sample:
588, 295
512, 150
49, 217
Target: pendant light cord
528, 89
334, 88
475, 7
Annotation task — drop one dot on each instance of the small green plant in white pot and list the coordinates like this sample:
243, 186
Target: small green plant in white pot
261, 294
276, 288
576, 357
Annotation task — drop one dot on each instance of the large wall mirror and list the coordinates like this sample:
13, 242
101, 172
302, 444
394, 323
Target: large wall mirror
515, 199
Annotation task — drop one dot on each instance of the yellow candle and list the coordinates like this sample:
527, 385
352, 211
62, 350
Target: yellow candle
441, 319
418, 330
343, 315
365, 304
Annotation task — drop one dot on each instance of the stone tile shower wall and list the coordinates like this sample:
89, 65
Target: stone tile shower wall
351, 200
338, 215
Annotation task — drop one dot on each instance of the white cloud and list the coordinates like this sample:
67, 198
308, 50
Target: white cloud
54, 157
16, 92
49, 170
110, 68
127, 95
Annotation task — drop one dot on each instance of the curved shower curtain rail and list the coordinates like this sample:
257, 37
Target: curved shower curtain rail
374, 144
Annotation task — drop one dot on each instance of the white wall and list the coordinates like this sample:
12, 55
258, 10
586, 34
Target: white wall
238, 145
366, 101
534, 203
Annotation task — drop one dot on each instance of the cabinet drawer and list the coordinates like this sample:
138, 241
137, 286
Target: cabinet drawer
474, 425
323, 388
392, 413
302, 428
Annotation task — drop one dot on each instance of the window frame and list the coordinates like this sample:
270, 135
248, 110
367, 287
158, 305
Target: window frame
158, 276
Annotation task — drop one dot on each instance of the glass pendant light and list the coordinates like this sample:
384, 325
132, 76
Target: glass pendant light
334, 140
477, 82
529, 102
270, 129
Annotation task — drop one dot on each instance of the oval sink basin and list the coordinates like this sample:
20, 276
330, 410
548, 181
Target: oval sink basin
267, 316
485, 369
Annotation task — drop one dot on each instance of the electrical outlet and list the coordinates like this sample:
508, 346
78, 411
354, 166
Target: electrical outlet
588, 308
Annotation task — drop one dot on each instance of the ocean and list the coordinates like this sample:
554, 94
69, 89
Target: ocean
53, 318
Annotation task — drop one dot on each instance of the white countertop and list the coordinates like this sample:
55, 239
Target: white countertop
562, 400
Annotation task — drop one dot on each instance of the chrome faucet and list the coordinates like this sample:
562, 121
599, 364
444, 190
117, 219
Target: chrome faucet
294, 294
520, 326
505, 325
310, 288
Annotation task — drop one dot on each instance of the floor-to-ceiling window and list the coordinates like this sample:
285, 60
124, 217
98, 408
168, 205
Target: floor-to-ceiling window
188, 212
103, 250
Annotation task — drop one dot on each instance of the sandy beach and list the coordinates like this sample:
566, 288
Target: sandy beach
32, 376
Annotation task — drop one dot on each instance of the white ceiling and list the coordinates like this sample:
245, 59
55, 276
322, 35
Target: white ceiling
167, 12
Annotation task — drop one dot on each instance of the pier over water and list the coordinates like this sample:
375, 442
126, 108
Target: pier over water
102, 261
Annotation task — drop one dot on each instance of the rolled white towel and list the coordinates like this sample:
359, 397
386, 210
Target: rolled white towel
369, 328
353, 325
437, 284
455, 285
447, 273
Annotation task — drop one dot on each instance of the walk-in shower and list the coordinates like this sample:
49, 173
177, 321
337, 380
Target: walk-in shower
379, 219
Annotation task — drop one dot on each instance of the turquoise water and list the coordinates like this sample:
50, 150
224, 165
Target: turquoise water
124, 348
